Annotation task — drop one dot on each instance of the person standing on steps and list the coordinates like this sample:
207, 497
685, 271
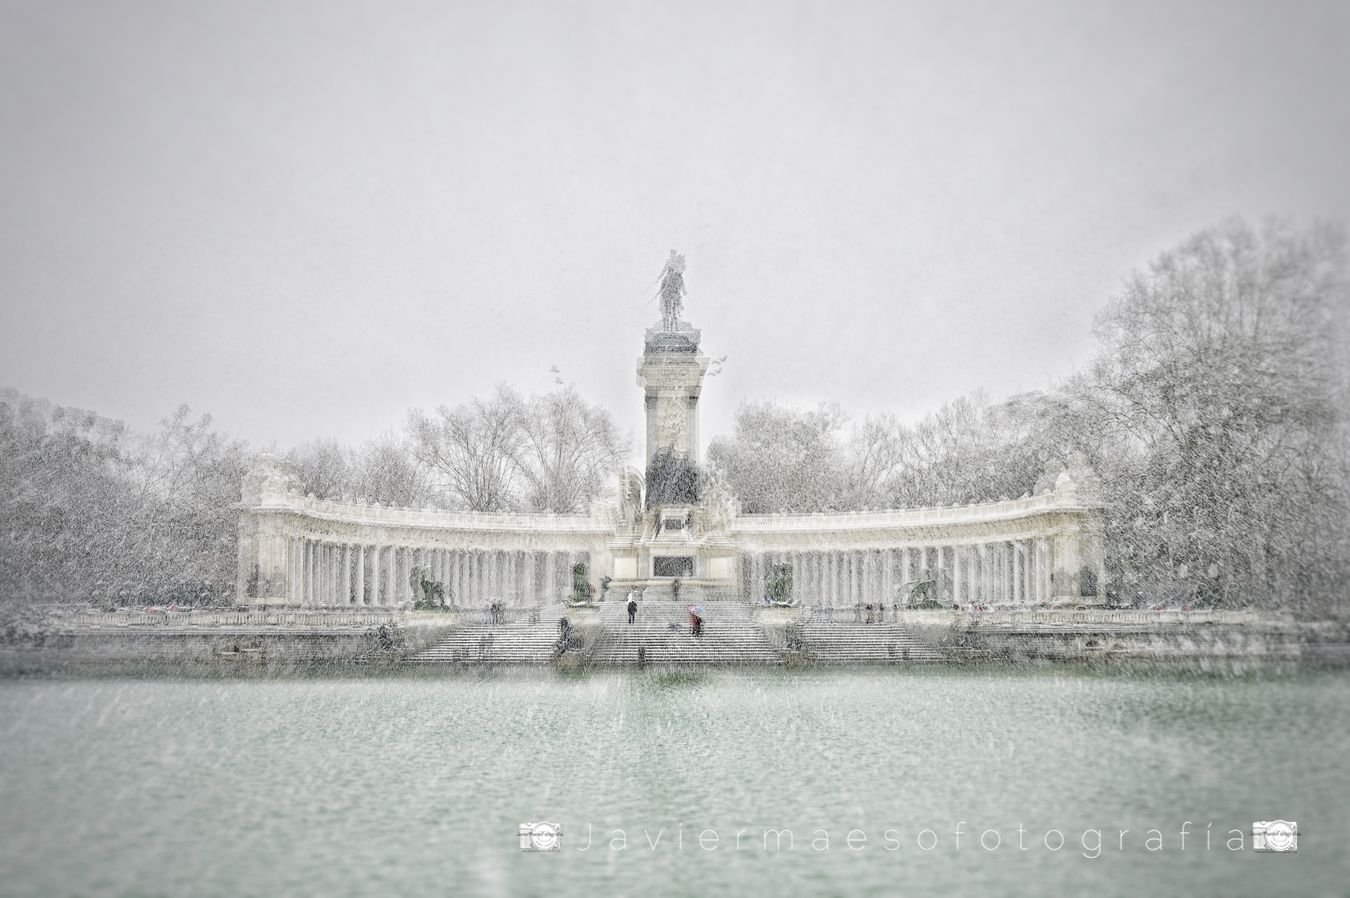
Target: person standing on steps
632, 607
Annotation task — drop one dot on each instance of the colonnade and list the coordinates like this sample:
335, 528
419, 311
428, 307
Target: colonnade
1014, 571
327, 573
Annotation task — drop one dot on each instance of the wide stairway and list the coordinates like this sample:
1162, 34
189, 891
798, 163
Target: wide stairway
661, 632
828, 643
520, 642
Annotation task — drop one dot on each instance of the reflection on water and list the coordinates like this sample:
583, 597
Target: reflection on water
416, 785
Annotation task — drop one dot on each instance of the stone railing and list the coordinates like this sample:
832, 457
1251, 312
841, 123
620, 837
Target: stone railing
328, 509
913, 517
1051, 618
210, 619
1040, 618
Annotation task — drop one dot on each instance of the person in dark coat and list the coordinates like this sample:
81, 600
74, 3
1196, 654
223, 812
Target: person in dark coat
632, 608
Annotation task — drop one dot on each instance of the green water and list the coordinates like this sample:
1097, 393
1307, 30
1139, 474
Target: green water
407, 786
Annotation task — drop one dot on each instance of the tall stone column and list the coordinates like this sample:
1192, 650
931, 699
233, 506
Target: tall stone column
307, 581
1043, 569
320, 574
958, 556
888, 576
359, 595
292, 569
940, 572
329, 575
456, 584
324, 576
463, 582
374, 575
392, 594
1068, 563
346, 596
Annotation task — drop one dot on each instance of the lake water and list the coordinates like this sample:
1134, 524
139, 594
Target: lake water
416, 785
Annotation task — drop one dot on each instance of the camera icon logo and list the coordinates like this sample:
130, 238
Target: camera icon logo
540, 836
1275, 835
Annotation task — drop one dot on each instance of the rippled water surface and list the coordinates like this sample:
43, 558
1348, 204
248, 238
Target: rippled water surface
415, 785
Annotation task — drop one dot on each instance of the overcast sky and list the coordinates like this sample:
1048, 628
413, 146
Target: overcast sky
306, 218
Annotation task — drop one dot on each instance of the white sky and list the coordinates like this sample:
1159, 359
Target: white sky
306, 218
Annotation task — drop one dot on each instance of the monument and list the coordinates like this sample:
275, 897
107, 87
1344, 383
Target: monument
677, 534
671, 521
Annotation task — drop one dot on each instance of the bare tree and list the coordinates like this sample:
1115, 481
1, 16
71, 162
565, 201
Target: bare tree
570, 453
1222, 412
474, 449
783, 459
323, 467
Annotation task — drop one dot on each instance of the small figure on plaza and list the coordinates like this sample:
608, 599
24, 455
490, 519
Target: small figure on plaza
672, 290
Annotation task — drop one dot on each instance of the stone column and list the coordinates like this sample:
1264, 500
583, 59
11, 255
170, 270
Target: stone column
457, 576
359, 594
346, 596
374, 576
1067, 565
398, 570
465, 562
940, 574
479, 566
325, 575
292, 582
391, 590
888, 576
322, 579
957, 557
305, 572
1010, 567
979, 578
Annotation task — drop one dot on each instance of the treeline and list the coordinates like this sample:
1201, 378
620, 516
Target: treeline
90, 511
506, 452
1213, 418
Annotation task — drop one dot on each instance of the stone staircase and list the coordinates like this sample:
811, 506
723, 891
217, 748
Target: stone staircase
828, 643
730, 635
521, 642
